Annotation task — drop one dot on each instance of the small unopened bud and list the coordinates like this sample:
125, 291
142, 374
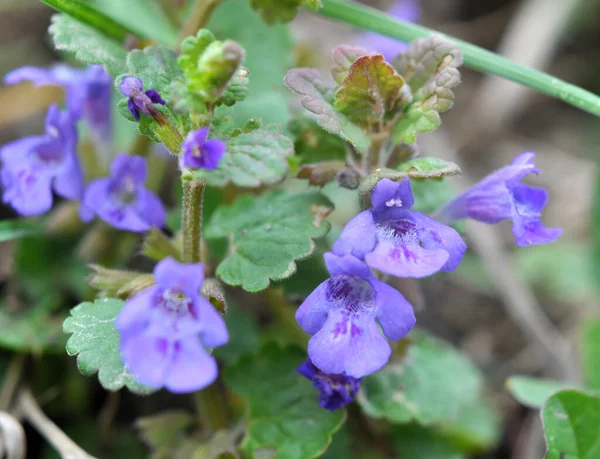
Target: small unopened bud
348, 178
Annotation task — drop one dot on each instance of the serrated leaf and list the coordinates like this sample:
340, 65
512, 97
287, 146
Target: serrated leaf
431, 384
155, 65
590, 352
415, 120
95, 342
371, 89
282, 411
572, 425
343, 57
273, 11
19, 228
533, 392
267, 234
252, 159
425, 58
317, 96
428, 168
89, 45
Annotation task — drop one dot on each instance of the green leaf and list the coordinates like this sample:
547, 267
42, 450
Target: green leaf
590, 352
89, 45
269, 54
533, 392
314, 4
35, 330
145, 17
95, 342
87, 14
273, 11
317, 96
430, 195
267, 234
243, 335
18, 228
415, 120
427, 168
343, 57
252, 159
155, 65
397, 392
572, 425
313, 144
415, 442
282, 413
371, 90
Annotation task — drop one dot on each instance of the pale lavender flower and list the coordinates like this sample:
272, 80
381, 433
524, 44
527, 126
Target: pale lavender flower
87, 92
398, 241
200, 152
34, 166
501, 196
121, 200
165, 330
343, 314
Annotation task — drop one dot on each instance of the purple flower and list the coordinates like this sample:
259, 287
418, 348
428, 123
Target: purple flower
140, 100
405, 10
34, 166
398, 241
88, 92
165, 329
342, 315
200, 153
335, 391
121, 199
500, 196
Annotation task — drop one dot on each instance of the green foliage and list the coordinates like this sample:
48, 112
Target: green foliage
533, 392
88, 45
317, 96
252, 159
572, 425
244, 335
429, 168
273, 11
430, 195
269, 53
451, 396
590, 353
87, 14
18, 228
165, 431
267, 234
313, 144
415, 442
370, 90
282, 414
35, 330
343, 57
95, 342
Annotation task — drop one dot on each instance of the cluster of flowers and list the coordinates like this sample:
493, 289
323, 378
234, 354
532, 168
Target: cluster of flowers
33, 167
166, 328
344, 313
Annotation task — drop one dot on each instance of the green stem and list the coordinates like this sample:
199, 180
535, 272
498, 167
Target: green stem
191, 224
475, 57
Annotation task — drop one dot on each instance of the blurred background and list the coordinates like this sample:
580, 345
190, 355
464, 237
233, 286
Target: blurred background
480, 308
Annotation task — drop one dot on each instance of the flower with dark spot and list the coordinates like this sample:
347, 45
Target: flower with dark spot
121, 200
501, 196
335, 391
343, 314
200, 152
140, 100
32, 167
165, 330
398, 241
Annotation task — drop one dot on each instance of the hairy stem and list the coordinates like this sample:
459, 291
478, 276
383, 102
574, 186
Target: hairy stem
191, 220
199, 16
